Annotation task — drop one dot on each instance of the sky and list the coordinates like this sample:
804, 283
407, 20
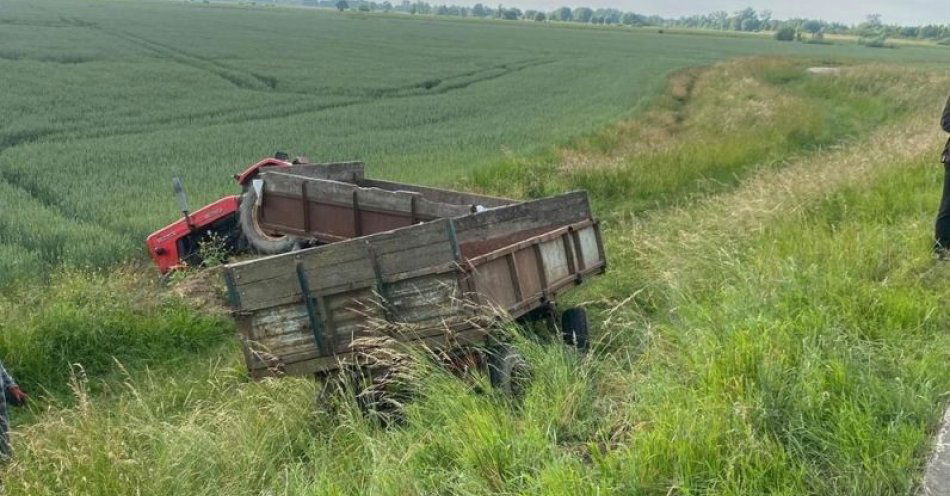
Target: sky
905, 12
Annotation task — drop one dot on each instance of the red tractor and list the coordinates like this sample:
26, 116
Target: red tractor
233, 220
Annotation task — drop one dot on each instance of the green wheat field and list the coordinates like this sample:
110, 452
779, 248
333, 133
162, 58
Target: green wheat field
772, 321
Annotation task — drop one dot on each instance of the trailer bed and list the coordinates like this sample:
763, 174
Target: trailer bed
335, 202
437, 282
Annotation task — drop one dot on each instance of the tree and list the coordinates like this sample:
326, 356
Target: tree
478, 10
540, 17
910, 31
387, 7
720, 20
341, 5
563, 14
929, 31
631, 19
785, 33
510, 14
363, 8
421, 8
582, 14
812, 26
837, 28
745, 20
608, 16
872, 27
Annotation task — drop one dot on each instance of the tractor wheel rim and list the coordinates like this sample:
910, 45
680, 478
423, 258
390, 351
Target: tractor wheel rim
256, 222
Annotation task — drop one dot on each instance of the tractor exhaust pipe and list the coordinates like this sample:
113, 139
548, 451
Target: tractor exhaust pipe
182, 200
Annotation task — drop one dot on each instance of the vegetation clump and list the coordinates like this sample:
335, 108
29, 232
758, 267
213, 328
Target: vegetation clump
785, 33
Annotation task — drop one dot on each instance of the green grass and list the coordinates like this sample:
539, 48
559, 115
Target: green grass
767, 365
784, 335
93, 320
772, 322
105, 101
771, 110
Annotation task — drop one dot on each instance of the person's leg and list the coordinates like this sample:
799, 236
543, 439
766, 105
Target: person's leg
5, 450
942, 225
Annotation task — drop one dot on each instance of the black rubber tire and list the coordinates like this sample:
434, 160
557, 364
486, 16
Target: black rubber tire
259, 241
508, 370
574, 328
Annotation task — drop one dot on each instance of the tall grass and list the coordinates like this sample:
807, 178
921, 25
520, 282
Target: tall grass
785, 335
91, 320
710, 128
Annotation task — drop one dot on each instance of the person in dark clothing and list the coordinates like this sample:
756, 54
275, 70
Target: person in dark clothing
942, 227
10, 393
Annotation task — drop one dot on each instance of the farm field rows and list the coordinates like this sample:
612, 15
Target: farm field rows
772, 321
104, 102
782, 334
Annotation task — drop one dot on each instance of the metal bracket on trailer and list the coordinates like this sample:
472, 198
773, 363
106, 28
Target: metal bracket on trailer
312, 314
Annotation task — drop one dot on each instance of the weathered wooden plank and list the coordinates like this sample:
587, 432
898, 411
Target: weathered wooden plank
321, 364
291, 345
528, 272
268, 281
440, 195
424, 298
427, 240
269, 267
589, 247
426, 209
279, 183
350, 172
284, 331
493, 281
447, 281
280, 333
555, 260
559, 210
326, 221
413, 248
412, 311
369, 199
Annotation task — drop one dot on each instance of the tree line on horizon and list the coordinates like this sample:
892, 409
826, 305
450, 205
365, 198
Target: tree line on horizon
744, 20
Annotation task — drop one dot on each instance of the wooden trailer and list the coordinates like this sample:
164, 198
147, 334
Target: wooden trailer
335, 202
435, 282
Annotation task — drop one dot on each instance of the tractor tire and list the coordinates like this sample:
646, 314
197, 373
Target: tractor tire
508, 370
258, 239
574, 328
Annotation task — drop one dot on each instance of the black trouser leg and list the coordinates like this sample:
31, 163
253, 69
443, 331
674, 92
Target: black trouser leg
942, 226
5, 451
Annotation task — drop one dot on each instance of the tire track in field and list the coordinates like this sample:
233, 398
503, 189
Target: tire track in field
51, 200
244, 80
443, 84
51, 244
416, 90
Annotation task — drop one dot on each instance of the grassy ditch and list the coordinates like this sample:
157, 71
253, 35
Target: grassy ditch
773, 324
88, 322
711, 128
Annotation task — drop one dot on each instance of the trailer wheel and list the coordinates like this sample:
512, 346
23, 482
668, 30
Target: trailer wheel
259, 239
574, 328
508, 370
